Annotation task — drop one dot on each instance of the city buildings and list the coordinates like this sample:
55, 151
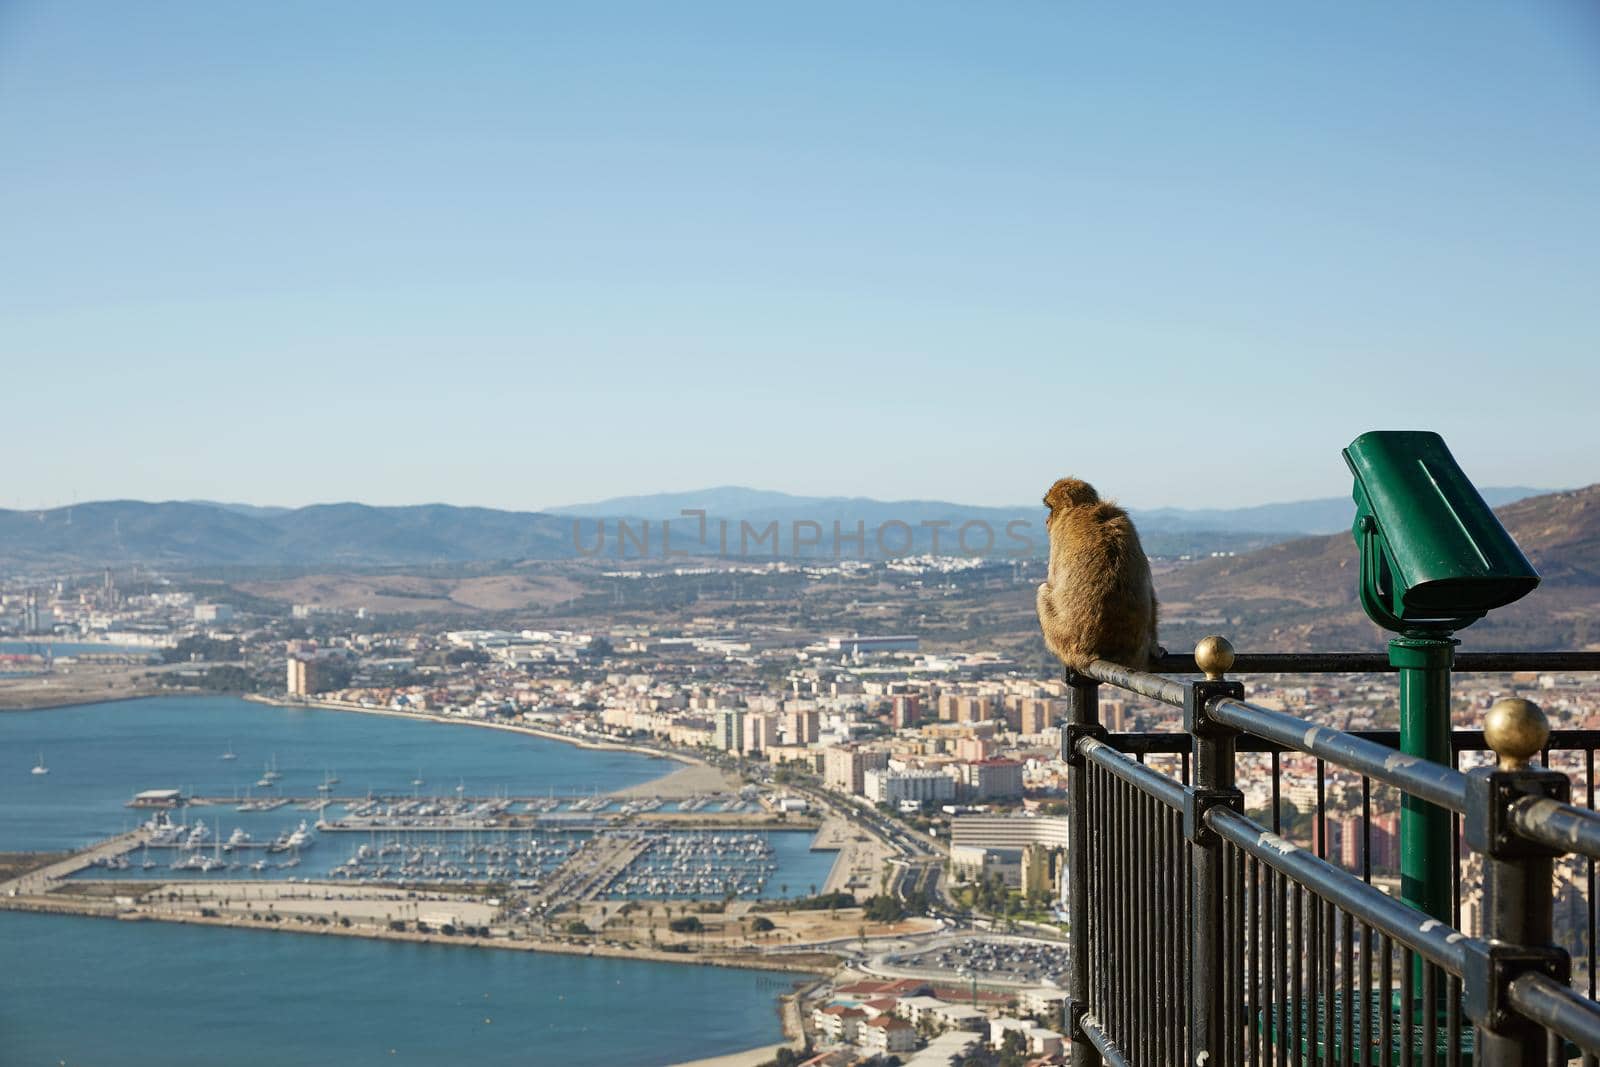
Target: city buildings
730, 729
900, 788
302, 677
845, 768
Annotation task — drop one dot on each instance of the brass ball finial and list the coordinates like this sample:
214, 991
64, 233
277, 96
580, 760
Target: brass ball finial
1213, 655
1517, 730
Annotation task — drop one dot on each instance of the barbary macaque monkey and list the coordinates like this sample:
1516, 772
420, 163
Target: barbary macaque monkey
1097, 600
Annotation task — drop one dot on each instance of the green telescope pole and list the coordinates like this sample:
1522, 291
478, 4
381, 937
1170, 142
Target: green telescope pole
1425, 861
1424, 665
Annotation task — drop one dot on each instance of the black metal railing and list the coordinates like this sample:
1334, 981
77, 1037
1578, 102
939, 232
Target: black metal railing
1202, 935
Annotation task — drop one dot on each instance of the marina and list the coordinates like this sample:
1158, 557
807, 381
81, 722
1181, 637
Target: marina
429, 816
564, 865
431, 827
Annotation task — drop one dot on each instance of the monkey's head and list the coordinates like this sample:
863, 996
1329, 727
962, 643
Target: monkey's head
1070, 493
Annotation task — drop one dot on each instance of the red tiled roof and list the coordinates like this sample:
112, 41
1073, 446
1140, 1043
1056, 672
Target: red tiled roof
861, 988
904, 986
888, 1022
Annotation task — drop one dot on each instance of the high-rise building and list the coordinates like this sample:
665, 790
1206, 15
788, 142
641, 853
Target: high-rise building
760, 732
302, 677
729, 733
898, 787
974, 748
993, 779
845, 768
905, 710
802, 726
1038, 714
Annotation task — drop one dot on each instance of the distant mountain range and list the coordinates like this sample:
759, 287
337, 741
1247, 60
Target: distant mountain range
186, 534
182, 535
1301, 594
1324, 515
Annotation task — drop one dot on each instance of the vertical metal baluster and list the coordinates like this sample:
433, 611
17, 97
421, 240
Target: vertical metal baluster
1147, 873
1429, 1016
1114, 911
1384, 1007
1177, 849
1277, 782
1452, 1021
1588, 757
1347, 990
1404, 1026
1320, 826
1254, 936
1280, 923
1455, 853
1083, 980
1455, 871
1119, 956
1326, 1002
1366, 829
1297, 964
1130, 906
1104, 901
1225, 957
1365, 1018
1554, 1053
1271, 1035
1240, 956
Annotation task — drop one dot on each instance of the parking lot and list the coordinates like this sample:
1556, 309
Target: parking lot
998, 958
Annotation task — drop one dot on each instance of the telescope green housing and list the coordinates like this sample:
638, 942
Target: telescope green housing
1434, 557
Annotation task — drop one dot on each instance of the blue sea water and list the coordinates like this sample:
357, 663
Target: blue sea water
94, 991
100, 755
100, 992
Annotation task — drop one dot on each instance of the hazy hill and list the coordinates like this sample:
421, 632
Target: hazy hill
1302, 594
180, 534
1323, 515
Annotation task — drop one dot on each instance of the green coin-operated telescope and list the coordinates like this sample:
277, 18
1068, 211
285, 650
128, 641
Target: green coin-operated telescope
1433, 559
1433, 556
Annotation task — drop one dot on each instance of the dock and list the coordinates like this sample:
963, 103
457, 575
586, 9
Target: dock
43, 879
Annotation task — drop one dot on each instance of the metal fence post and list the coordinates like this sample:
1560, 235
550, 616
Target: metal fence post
1213, 786
1517, 889
1083, 719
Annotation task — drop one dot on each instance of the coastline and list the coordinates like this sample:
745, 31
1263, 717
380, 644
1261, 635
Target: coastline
755, 962
85, 700
692, 775
509, 727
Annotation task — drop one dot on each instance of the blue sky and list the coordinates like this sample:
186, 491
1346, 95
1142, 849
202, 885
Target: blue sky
529, 254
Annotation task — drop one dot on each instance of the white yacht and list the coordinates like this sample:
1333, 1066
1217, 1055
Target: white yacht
40, 768
302, 836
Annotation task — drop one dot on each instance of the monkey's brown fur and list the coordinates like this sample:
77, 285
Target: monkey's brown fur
1097, 600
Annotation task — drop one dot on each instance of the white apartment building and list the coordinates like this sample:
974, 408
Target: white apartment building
911, 786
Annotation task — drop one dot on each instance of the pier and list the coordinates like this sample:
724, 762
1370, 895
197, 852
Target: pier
41, 880
591, 812
589, 871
